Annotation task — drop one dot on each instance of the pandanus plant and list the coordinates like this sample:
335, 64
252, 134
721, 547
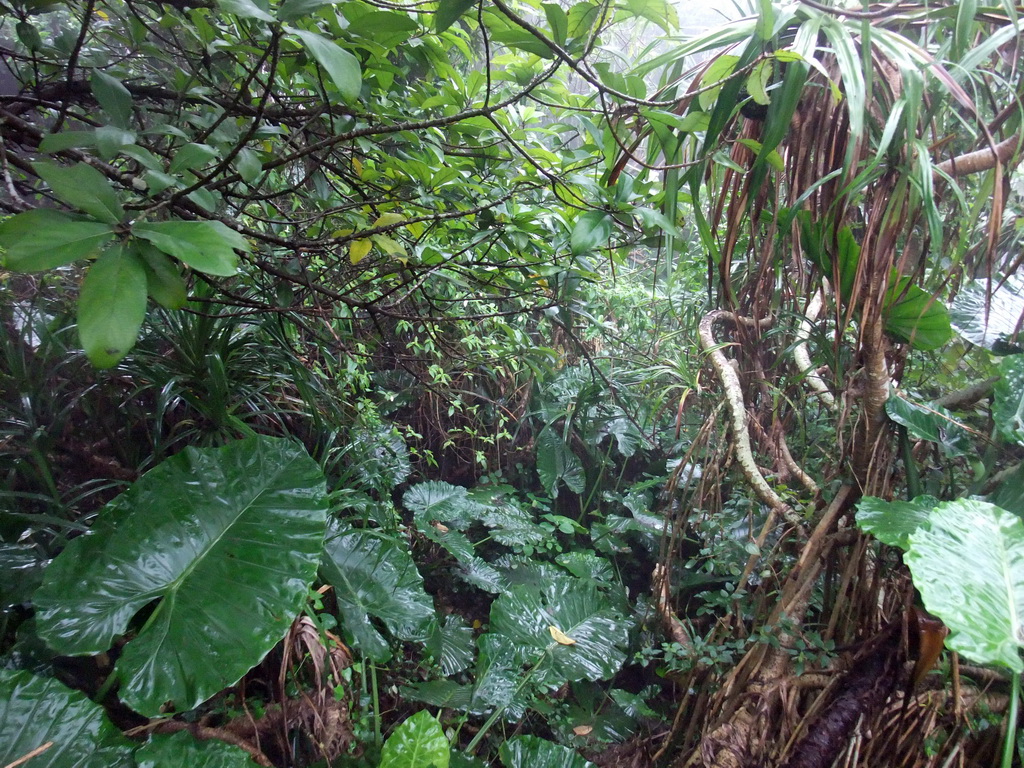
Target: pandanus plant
845, 169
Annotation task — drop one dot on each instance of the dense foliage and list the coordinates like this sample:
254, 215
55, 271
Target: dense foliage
475, 383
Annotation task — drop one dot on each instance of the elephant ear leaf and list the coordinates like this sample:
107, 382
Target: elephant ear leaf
220, 544
37, 711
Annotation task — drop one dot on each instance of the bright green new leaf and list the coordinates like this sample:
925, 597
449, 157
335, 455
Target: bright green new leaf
1008, 405
419, 742
184, 749
112, 305
713, 79
221, 543
341, 66
892, 522
592, 230
968, 563
535, 752
207, 246
450, 11
112, 95
164, 281
374, 575
83, 187
758, 80
43, 239
36, 710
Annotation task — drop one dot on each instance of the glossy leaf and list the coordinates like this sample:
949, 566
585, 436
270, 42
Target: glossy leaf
968, 564
192, 156
535, 752
915, 316
341, 66
112, 305
419, 742
986, 312
35, 711
930, 422
43, 239
185, 749
714, 78
1010, 493
449, 11
892, 522
521, 620
557, 463
1008, 402
246, 9
224, 541
373, 575
83, 187
164, 281
758, 80
207, 246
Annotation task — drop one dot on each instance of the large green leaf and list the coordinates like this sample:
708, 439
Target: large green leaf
556, 462
35, 711
449, 11
968, 563
112, 95
986, 312
224, 541
1008, 403
592, 229
535, 752
112, 305
207, 246
83, 187
1010, 494
43, 239
522, 618
419, 742
374, 575
341, 66
185, 749
892, 522
930, 422
915, 316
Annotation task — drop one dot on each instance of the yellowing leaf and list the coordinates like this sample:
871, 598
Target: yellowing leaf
358, 249
560, 637
390, 246
388, 219
357, 166
582, 730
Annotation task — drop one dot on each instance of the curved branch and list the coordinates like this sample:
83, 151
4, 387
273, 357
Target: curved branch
803, 357
737, 410
982, 159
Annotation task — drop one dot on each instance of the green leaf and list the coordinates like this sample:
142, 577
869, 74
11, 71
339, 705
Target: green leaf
714, 78
985, 312
83, 187
192, 156
57, 142
419, 742
341, 66
291, 10
112, 305
535, 752
43, 239
374, 575
207, 246
930, 422
592, 230
1008, 401
759, 79
521, 619
115, 99
1010, 493
892, 522
522, 40
36, 710
164, 281
248, 165
450, 11
660, 12
557, 20
915, 316
184, 749
225, 541
968, 564
556, 461
247, 9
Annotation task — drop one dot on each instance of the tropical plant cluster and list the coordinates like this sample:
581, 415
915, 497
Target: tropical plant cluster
510, 383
